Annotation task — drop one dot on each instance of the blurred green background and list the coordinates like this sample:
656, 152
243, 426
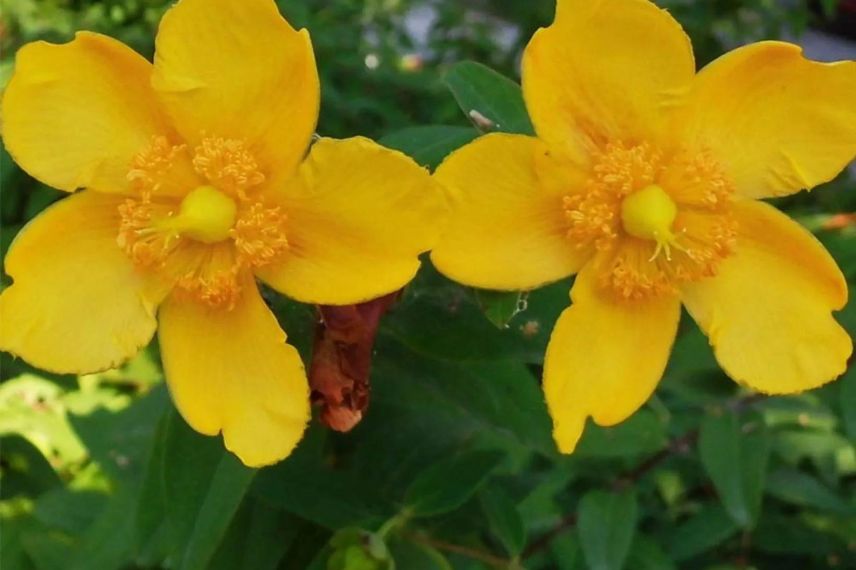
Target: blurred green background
454, 466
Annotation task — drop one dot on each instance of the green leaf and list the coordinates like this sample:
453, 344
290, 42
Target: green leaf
643, 433
645, 554
152, 539
500, 306
25, 469
804, 490
503, 519
258, 539
498, 404
848, 402
567, 554
225, 493
441, 319
483, 93
120, 441
708, 528
413, 556
429, 145
736, 463
204, 486
448, 484
332, 497
793, 535
607, 525
69, 511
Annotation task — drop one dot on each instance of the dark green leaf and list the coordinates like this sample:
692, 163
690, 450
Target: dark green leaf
500, 307
736, 462
792, 536
645, 554
706, 529
413, 556
448, 484
848, 402
328, 495
229, 484
429, 145
152, 530
567, 553
266, 536
804, 490
643, 433
203, 486
120, 442
607, 525
503, 519
483, 93
69, 511
25, 469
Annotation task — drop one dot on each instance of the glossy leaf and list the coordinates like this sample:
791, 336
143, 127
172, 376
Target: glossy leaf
491, 101
429, 145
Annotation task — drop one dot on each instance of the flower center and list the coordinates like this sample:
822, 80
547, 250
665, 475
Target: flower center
206, 215
208, 241
639, 203
649, 214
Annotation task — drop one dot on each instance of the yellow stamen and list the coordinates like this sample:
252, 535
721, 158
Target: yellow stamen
228, 164
206, 215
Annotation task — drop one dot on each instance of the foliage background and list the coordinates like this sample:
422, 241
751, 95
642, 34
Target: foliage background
454, 465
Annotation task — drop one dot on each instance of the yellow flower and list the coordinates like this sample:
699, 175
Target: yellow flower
644, 178
196, 183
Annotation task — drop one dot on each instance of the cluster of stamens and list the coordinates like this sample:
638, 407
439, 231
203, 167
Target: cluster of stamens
228, 165
654, 220
207, 239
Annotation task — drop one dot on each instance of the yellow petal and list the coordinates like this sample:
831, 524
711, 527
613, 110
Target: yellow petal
74, 115
77, 304
239, 70
605, 357
358, 216
605, 69
231, 371
778, 122
508, 228
767, 312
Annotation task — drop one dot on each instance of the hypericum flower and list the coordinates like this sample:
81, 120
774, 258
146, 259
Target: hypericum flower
196, 183
644, 178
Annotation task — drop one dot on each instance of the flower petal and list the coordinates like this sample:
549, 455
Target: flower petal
779, 122
605, 357
239, 70
507, 229
77, 303
231, 371
74, 115
767, 312
606, 69
359, 215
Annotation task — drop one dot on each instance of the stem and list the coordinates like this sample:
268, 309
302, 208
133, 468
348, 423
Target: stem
396, 521
475, 554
